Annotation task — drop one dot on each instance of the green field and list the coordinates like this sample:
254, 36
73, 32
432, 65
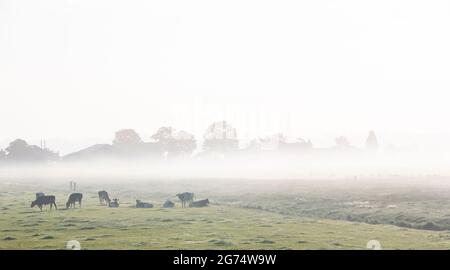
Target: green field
223, 225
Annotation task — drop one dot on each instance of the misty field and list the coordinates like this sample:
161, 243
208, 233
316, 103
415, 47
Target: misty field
287, 217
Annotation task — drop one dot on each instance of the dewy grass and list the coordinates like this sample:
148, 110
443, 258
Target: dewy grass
219, 226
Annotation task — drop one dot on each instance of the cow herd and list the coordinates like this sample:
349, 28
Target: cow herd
186, 199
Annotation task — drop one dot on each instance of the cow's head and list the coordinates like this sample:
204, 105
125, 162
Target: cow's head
33, 203
67, 205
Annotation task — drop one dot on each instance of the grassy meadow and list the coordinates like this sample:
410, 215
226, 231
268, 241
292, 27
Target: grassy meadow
228, 223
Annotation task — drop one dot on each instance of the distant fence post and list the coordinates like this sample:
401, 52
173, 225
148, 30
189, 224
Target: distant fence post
73, 185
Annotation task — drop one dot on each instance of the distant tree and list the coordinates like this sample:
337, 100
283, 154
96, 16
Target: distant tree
342, 141
274, 142
164, 136
372, 141
185, 143
20, 150
2, 155
220, 137
279, 138
127, 137
175, 143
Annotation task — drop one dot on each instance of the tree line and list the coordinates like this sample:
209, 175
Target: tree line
219, 139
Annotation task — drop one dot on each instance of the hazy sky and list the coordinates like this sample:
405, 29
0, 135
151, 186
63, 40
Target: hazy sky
76, 71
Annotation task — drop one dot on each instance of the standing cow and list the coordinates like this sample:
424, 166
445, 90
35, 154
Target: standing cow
185, 198
44, 200
104, 197
73, 198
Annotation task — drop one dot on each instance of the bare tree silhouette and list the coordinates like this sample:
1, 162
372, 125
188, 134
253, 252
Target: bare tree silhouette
164, 136
175, 143
185, 143
220, 137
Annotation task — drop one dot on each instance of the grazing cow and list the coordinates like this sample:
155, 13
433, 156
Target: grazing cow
114, 203
201, 203
39, 194
168, 204
104, 197
186, 197
73, 198
140, 204
44, 200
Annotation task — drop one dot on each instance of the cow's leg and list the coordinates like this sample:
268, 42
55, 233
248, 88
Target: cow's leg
40, 207
55, 206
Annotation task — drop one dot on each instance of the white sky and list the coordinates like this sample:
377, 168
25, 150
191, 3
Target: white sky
75, 71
